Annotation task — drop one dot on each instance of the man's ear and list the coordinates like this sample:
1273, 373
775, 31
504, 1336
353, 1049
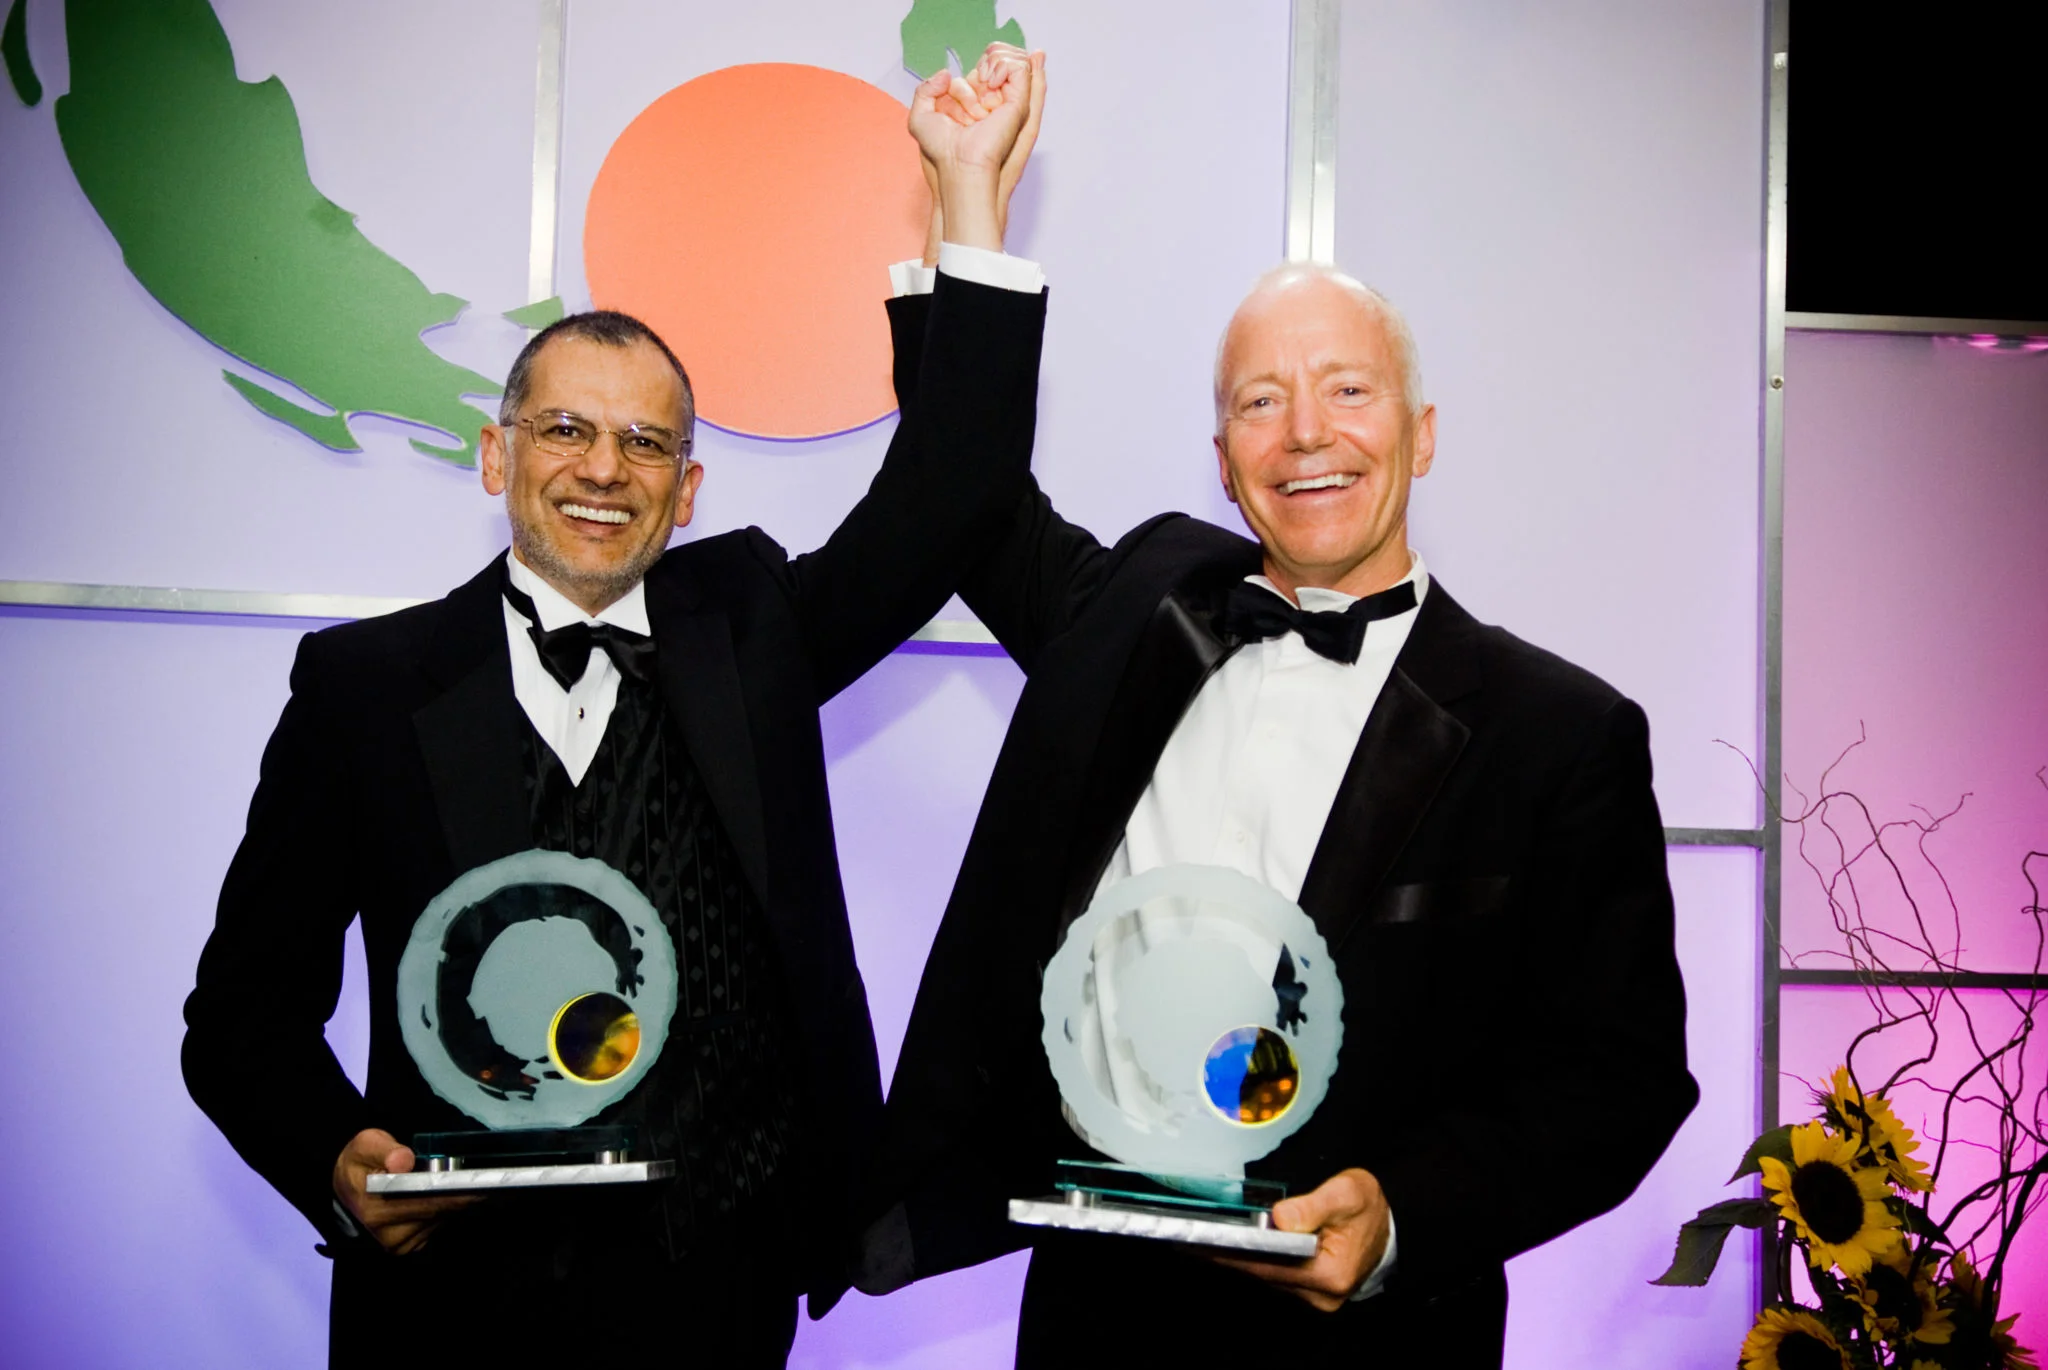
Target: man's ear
1425, 439
1223, 469
492, 459
686, 492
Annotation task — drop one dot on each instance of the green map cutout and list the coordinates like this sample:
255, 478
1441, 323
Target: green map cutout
202, 180
965, 26
14, 48
539, 314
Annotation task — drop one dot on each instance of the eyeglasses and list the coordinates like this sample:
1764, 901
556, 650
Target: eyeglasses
562, 434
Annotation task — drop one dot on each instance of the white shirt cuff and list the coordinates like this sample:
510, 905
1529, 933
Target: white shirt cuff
1377, 1280
977, 264
984, 267
911, 278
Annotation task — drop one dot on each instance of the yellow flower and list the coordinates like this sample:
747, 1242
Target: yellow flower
1791, 1339
2016, 1357
1870, 1120
1900, 1302
1835, 1206
1969, 1290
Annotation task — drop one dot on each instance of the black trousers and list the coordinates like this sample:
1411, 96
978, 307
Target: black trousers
1119, 1302
522, 1280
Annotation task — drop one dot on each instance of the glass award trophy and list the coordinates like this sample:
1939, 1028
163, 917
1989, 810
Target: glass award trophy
534, 992
1192, 1019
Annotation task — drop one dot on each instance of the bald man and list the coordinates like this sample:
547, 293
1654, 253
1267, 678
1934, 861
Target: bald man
1467, 818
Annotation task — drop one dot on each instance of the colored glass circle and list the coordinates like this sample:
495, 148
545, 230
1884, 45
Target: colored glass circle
749, 217
594, 1037
1250, 1075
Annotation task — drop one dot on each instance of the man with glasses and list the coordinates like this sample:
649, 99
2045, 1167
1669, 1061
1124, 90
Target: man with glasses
596, 693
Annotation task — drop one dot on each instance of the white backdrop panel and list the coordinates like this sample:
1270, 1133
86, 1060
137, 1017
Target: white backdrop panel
1567, 201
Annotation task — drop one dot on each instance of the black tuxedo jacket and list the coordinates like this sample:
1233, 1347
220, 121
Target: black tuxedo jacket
1491, 880
396, 767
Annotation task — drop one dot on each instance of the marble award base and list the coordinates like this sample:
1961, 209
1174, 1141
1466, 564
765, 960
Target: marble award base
1235, 1215
535, 1158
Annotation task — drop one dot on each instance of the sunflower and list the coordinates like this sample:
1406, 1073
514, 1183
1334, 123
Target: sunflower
1791, 1339
1997, 1341
1870, 1118
1836, 1206
2015, 1356
1900, 1302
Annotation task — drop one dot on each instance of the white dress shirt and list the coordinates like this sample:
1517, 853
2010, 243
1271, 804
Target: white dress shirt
1249, 775
571, 721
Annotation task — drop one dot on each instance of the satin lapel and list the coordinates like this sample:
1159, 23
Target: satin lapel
700, 682
471, 733
1408, 747
1177, 652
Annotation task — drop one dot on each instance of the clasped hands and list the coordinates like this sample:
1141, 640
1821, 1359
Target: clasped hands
975, 132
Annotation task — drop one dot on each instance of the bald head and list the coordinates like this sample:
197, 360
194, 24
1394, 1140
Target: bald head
1296, 289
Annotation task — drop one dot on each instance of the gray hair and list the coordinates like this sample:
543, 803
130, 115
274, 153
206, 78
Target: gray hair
1389, 314
607, 327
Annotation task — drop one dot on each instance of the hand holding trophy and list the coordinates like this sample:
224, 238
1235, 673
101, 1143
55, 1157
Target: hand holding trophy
1192, 1020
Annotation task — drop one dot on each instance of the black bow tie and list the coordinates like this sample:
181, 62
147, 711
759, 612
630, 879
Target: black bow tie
1253, 613
565, 652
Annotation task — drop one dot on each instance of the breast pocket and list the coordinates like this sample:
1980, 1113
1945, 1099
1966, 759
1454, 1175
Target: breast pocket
1441, 905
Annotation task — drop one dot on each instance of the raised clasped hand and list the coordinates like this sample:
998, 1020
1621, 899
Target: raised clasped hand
972, 122
1349, 1215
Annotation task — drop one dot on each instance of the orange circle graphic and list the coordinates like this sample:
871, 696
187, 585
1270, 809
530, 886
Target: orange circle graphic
749, 217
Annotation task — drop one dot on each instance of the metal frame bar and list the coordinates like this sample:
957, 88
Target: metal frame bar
1917, 979
1913, 324
1311, 226
547, 151
1777, 56
1714, 837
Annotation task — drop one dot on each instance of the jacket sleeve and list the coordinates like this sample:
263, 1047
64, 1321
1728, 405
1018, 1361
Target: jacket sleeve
256, 1057
1035, 577
1589, 1080
955, 469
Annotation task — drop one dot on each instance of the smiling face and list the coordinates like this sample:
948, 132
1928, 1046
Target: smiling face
592, 525
1315, 440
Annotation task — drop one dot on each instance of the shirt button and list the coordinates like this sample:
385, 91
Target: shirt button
579, 713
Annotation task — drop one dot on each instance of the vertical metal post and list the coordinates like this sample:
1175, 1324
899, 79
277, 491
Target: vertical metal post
1772, 616
1311, 230
547, 152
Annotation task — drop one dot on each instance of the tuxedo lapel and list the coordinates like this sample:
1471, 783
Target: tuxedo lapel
700, 683
1176, 653
1408, 747
470, 734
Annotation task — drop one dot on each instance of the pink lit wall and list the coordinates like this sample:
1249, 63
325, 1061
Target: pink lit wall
1916, 616
1916, 610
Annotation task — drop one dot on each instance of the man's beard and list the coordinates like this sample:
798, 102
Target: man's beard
580, 585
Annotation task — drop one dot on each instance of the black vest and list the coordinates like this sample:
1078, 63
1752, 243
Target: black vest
722, 1100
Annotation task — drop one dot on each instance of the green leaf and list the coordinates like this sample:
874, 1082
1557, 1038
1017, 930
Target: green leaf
1921, 1223
1777, 1144
964, 26
539, 314
1700, 1241
14, 48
